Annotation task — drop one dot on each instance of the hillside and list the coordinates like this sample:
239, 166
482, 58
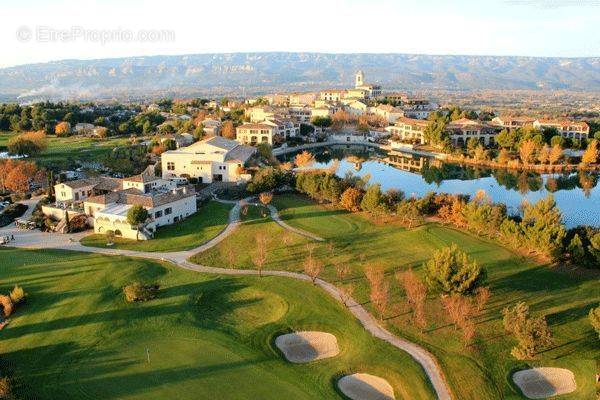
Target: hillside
203, 74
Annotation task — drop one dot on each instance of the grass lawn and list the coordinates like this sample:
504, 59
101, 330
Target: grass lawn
197, 229
63, 152
481, 371
208, 337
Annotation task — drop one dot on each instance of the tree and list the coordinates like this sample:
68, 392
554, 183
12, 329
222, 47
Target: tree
312, 265
544, 154
304, 159
259, 258
228, 130
576, 249
527, 151
482, 295
30, 143
351, 199
110, 237
450, 271
532, 333
322, 122
416, 294
62, 129
371, 201
379, 293
17, 295
594, 316
590, 156
507, 139
555, 155
409, 213
543, 227
265, 197
136, 216
341, 270
138, 292
346, 293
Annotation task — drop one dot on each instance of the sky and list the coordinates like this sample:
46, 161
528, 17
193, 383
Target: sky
34, 31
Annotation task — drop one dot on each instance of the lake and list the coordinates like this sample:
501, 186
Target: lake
577, 194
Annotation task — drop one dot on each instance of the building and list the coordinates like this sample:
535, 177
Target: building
461, 130
565, 128
301, 114
408, 130
256, 133
212, 127
356, 108
389, 112
371, 91
106, 201
513, 122
83, 128
334, 95
214, 159
286, 127
302, 99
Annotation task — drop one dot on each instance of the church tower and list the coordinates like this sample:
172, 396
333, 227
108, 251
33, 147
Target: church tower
359, 79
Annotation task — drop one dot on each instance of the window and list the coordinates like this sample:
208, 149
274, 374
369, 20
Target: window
158, 214
168, 211
170, 166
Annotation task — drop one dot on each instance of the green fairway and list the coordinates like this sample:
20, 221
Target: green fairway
207, 337
481, 371
197, 229
62, 152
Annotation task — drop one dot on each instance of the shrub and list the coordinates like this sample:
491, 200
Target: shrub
18, 295
138, 292
6, 304
5, 388
532, 333
351, 199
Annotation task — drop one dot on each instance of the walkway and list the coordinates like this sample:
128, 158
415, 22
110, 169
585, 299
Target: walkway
41, 240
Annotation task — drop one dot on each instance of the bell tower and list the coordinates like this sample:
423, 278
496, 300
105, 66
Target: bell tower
359, 79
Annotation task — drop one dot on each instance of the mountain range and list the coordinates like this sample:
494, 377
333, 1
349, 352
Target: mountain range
252, 73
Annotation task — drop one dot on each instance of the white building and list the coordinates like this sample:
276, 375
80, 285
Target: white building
254, 134
371, 91
356, 108
408, 130
212, 127
209, 160
390, 113
107, 200
565, 128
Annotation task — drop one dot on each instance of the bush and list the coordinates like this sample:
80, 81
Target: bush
138, 292
6, 304
78, 223
269, 179
18, 295
5, 388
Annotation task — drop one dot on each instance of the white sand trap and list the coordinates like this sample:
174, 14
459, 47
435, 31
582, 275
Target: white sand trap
366, 387
541, 383
303, 347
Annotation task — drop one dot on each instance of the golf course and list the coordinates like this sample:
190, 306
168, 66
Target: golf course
203, 336
481, 370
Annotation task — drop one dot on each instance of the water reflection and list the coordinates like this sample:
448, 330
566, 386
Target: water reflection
577, 194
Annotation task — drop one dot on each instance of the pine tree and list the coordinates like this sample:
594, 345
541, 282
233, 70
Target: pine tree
451, 270
576, 249
371, 201
532, 333
595, 319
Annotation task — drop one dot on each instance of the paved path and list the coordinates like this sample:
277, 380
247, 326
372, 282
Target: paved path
41, 240
284, 225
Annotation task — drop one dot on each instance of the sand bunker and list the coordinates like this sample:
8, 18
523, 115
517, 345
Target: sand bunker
541, 383
366, 387
302, 347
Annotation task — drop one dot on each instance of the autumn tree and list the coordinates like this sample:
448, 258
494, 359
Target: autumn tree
532, 333
228, 130
304, 159
259, 258
265, 197
346, 294
503, 156
350, 199
228, 253
312, 266
544, 154
555, 155
342, 270
482, 296
591, 154
460, 311
451, 270
62, 129
416, 295
527, 151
